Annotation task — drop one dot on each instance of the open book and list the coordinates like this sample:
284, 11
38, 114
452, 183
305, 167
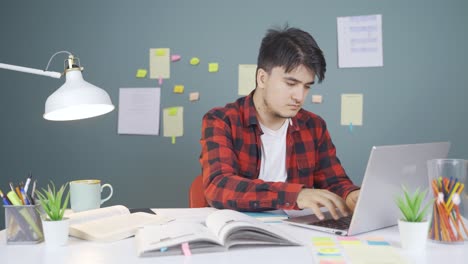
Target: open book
110, 223
223, 229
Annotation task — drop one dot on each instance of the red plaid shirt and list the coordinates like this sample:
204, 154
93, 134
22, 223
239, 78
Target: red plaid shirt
231, 156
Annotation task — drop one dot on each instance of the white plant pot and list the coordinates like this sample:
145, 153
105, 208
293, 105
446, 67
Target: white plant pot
413, 235
56, 232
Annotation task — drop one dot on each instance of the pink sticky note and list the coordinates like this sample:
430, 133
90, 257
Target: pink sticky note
175, 57
186, 249
347, 238
160, 81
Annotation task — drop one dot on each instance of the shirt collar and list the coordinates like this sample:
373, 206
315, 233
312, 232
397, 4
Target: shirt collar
250, 114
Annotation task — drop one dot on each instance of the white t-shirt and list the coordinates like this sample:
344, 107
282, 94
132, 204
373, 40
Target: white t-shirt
273, 163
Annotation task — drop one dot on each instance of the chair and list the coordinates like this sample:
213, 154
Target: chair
196, 194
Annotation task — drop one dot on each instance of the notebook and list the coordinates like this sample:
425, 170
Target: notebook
388, 168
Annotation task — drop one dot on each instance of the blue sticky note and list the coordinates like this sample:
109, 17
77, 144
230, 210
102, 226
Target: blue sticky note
378, 243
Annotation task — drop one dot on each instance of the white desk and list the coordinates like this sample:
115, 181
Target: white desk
79, 251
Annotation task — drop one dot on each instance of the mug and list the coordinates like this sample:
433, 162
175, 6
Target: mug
86, 194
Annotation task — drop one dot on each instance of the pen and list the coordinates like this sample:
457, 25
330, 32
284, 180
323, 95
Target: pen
25, 196
4, 198
18, 193
33, 201
28, 181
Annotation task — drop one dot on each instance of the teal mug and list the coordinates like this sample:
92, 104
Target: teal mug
86, 194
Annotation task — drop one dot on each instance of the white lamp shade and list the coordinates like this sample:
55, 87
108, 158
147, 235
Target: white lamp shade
77, 99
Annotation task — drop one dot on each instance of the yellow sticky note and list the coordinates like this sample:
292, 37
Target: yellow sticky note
246, 81
213, 67
194, 61
160, 52
322, 239
351, 109
178, 89
160, 64
141, 73
195, 96
173, 120
173, 111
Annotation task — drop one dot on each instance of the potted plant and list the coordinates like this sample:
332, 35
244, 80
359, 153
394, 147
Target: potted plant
414, 225
54, 202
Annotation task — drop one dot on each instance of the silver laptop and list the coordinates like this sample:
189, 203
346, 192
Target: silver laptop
388, 168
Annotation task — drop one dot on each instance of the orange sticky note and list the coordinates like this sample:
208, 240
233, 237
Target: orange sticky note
195, 96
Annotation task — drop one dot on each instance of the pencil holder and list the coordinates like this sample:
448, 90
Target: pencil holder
447, 178
23, 224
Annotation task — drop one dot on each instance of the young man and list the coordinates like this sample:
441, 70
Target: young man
264, 151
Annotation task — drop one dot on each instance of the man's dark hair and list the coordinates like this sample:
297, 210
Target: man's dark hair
290, 48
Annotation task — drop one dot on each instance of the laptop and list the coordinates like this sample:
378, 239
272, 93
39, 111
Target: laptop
388, 168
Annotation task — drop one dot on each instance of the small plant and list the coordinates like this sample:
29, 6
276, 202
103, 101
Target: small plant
410, 205
52, 201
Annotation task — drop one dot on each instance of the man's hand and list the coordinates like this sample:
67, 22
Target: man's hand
316, 198
351, 199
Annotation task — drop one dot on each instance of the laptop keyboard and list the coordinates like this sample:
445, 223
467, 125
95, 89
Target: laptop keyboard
342, 223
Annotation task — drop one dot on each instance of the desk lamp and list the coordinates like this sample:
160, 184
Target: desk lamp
76, 98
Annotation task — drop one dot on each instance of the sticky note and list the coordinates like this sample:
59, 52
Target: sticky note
348, 238
351, 109
195, 96
186, 249
322, 239
351, 242
172, 111
160, 52
316, 99
160, 63
160, 80
246, 78
329, 250
178, 89
173, 140
194, 61
378, 243
332, 261
173, 119
324, 243
175, 57
141, 73
213, 67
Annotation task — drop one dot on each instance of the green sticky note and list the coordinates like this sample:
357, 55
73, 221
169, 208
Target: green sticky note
141, 73
194, 61
213, 67
160, 52
173, 140
173, 111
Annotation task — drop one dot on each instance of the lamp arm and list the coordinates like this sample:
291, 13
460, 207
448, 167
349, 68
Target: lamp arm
30, 70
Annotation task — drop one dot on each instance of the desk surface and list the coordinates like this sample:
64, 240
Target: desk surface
80, 251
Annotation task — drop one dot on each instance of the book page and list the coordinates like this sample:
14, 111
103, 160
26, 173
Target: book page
234, 228
162, 239
218, 220
115, 227
86, 216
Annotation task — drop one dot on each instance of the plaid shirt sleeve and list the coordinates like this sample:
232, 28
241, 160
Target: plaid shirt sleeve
224, 186
329, 173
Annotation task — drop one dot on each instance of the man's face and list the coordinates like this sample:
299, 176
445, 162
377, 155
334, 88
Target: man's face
284, 93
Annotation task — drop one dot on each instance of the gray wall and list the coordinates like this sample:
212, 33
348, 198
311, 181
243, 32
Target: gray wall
418, 96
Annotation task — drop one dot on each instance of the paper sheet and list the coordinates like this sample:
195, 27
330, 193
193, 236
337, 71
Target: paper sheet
360, 41
139, 111
351, 109
160, 63
246, 78
173, 119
